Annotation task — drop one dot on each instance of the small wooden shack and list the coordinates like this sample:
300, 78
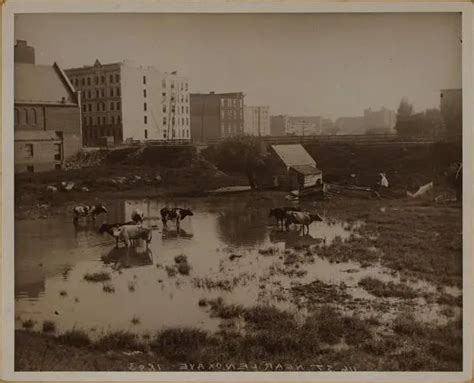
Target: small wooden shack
290, 167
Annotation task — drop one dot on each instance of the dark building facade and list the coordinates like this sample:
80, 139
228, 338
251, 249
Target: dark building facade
216, 115
24, 53
47, 116
278, 125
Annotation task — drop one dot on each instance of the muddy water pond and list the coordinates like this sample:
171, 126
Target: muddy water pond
234, 252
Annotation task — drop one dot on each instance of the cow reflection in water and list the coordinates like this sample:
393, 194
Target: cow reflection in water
125, 258
295, 238
177, 233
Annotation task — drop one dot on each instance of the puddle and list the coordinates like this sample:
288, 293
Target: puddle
221, 241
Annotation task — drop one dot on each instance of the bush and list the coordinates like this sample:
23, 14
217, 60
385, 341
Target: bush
97, 277
49, 326
76, 338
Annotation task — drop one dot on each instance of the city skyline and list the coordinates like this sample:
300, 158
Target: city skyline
340, 65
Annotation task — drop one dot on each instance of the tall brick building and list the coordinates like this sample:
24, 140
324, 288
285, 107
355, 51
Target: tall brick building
216, 115
124, 102
47, 114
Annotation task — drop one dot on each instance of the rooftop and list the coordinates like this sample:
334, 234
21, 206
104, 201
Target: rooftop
293, 155
36, 135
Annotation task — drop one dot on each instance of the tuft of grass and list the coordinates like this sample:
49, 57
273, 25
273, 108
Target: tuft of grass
77, 338
131, 287
181, 343
49, 326
63, 293
390, 289
202, 302
221, 310
28, 324
118, 340
100, 276
406, 324
108, 288
135, 320
171, 270
183, 266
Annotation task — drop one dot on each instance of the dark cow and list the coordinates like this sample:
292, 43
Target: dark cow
301, 218
110, 227
137, 216
86, 211
280, 213
175, 213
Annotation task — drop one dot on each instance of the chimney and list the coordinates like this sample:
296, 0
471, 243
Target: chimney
24, 53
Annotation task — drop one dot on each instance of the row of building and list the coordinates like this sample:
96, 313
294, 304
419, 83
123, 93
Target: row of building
57, 112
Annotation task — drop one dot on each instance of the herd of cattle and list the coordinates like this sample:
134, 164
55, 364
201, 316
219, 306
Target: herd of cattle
134, 230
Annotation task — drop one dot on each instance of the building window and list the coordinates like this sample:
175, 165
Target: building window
29, 150
186, 86
118, 105
89, 94
97, 93
102, 79
88, 80
144, 79
145, 119
98, 120
172, 85
26, 116
164, 121
119, 119
146, 133
102, 92
57, 152
187, 121
144, 93
118, 92
163, 83
30, 169
182, 109
112, 106
164, 108
187, 109
85, 121
164, 133
112, 120
111, 92
163, 94
83, 81
144, 106
103, 120
172, 121
111, 78
117, 78
17, 116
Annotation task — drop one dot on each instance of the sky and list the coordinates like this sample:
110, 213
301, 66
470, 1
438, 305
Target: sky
332, 65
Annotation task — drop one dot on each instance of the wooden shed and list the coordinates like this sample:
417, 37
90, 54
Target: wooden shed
290, 167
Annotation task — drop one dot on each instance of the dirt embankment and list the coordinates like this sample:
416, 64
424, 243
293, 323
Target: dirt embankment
406, 166
123, 173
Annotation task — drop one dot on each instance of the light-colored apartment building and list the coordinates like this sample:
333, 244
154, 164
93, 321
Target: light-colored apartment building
128, 102
257, 120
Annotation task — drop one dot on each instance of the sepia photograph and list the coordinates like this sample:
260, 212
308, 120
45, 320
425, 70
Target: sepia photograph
237, 191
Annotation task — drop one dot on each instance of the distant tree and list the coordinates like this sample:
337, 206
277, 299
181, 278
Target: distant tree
404, 123
240, 154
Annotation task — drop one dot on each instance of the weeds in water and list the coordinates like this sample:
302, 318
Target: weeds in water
221, 310
171, 270
135, 320
49, 326
179, 344
108, 288
182, 264
202, 302
63, 293
28, 324
131, 287
268, 251
387, 289
76, 338
97, 277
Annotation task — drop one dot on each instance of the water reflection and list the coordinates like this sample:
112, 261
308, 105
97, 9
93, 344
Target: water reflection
242, 227
125, 258
175, 233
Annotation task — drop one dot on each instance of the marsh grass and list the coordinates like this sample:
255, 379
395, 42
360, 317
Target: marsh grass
108, 288
49, 326
119, 340
387, 289
182, 264
75, 337
100, 276
63, 293
28, 324
135, 320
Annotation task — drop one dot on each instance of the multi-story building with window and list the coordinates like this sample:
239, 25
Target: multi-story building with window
216, 115
257, 120
47, 114
131, 103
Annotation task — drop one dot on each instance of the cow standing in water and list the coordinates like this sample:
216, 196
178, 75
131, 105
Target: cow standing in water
86, 211
301, 218
137, 216
176, 213
280, 213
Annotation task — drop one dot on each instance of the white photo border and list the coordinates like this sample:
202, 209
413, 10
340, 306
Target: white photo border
12, 7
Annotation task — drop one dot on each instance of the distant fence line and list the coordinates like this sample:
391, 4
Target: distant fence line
375, 139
